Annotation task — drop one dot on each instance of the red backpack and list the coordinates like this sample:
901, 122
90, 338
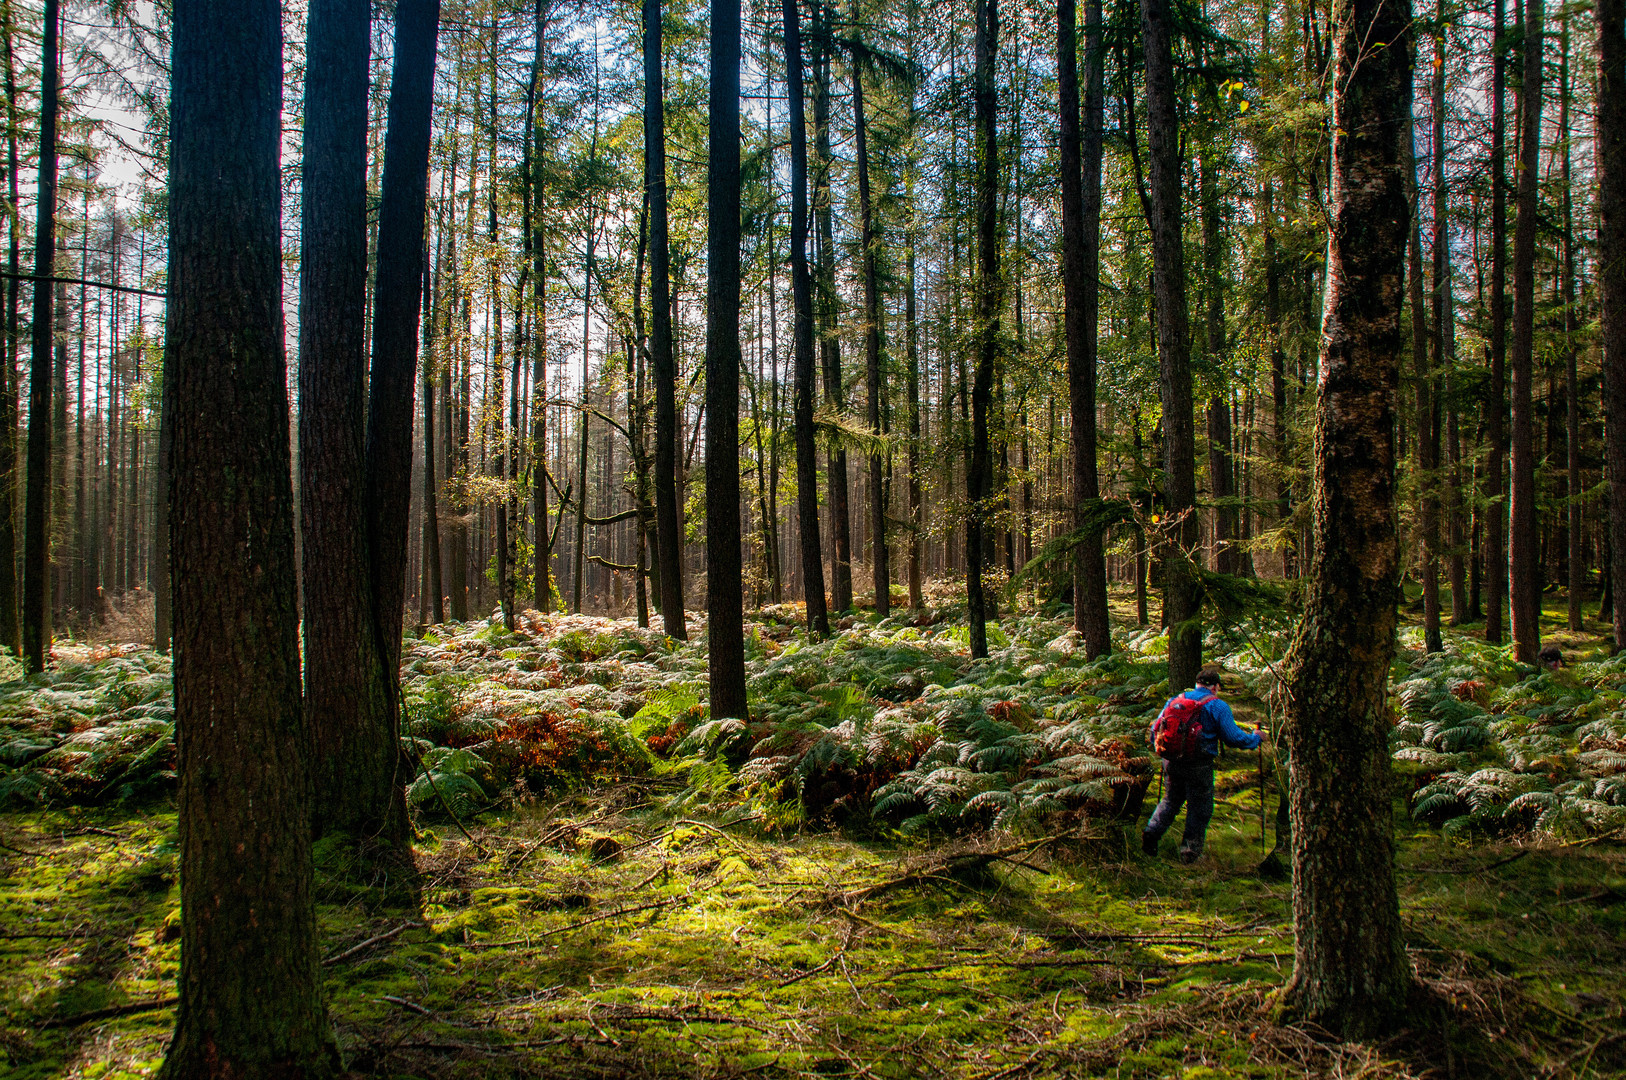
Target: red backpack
1178, 730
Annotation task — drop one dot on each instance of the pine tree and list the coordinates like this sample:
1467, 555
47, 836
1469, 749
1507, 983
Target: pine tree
1350, 972
250, 992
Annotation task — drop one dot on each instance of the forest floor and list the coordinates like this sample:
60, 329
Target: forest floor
706, 904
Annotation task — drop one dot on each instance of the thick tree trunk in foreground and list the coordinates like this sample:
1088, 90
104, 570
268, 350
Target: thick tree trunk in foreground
1081, 264
663, 366
725, 591
1525, 540
807, 492
345, 703
250, 994
979, 477
36, 606
397, 299
1350, 972
1611, 158
1182, 588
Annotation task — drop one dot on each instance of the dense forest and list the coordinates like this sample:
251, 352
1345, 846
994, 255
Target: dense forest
619, 539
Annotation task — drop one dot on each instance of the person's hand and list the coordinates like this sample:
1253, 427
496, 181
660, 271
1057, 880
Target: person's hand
1262, 730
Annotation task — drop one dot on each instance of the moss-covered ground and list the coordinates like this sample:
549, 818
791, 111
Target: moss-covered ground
671, 921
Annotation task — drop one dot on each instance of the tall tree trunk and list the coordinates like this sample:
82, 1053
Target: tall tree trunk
1281, 436
36, 609
829, 303
1182, 588
396, 301
725, 600
662, 361
11, 631
1495, 549
1572, 399
250, 989
1525, 540
1426, 454
431, 512
1081, 267
1221, 469
801, 286
979, 477
1350, 972
536, 242
1444, 343
1611, 159
872, 354
345, 702
579, 571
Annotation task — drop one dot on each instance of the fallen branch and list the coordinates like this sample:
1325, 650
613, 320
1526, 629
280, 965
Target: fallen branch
1515, 857
574, 926
810, 972
109, 1013
369, 943
951, 864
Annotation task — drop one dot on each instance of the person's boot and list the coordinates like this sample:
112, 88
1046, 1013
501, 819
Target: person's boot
1148, 844
1190, 855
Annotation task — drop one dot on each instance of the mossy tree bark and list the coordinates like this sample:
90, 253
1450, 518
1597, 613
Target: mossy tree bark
1350, 971
250, 994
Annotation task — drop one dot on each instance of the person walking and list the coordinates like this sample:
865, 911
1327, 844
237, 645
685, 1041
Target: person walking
1187, 735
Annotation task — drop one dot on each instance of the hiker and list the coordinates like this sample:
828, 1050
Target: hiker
1187, 734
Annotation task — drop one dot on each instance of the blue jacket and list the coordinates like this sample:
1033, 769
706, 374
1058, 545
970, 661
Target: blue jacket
1219, 723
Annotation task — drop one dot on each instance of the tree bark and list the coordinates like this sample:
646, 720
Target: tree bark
725, 600
882, 571
829, 314
1444, 342
1525, 539
250, 991
1182, 588
1221, 466
1426, 453
1350, 972
1611, 164
36, 607
345, 702
397, 298
1495, 548
663, 365
1081, 266
536, 245
979, 476
1572, 487
11, 630
801, 284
